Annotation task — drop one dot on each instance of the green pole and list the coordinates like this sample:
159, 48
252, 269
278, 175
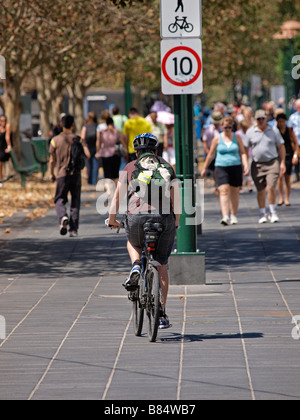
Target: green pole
183, 110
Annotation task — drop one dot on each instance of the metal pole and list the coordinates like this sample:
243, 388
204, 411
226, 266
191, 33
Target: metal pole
183, 109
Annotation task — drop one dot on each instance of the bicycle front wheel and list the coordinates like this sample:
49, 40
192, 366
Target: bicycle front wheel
153, 304
188, 27
138, 312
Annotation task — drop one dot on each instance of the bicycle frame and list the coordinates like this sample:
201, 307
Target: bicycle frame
148, 295
183, 20
152, 232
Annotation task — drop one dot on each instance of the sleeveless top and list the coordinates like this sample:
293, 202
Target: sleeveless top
228, 155
287, 143
91, 135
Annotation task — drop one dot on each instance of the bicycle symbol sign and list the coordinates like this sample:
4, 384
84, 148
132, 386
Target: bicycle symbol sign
180, 18
181, 67
180, 23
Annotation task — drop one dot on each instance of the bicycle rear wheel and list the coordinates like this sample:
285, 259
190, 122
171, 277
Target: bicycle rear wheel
153, 304
172, 28
138, 312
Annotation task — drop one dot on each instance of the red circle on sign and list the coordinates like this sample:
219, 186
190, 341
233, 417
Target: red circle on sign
163, 66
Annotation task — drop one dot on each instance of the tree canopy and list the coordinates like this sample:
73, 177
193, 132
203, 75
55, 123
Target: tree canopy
80, 43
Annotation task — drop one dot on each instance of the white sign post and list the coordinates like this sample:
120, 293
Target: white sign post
181, 66
180, 18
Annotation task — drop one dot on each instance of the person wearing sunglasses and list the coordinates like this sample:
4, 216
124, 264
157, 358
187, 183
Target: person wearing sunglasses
268, 154
231, 159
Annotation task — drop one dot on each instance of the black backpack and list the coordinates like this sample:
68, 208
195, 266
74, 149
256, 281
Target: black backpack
77, 157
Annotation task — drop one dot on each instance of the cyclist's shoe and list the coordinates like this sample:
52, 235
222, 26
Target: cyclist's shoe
132, 281
164, 322
63, 225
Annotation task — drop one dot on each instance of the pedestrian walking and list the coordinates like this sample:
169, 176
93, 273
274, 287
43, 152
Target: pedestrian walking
244, 126
231, 160
291, 158
102, 124
294, 123
169, 150
159, 130
68, 175
119, 121
209, 134
89, 136
106, 150
5, 142
267, 149
132, 128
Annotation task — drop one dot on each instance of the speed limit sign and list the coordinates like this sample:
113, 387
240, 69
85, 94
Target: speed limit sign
181, 66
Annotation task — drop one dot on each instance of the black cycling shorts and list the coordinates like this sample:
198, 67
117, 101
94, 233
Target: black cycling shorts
135, 233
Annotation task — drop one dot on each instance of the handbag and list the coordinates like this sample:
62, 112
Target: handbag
120, 149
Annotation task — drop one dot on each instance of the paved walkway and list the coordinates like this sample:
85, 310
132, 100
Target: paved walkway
69, 333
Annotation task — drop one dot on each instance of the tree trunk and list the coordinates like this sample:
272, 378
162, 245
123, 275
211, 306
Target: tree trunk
79, 92
13, 109
56, 106
44, 100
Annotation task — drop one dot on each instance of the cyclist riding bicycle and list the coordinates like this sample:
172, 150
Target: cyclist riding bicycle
152, 196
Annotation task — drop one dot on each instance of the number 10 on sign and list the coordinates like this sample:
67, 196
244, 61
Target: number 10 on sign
181, 67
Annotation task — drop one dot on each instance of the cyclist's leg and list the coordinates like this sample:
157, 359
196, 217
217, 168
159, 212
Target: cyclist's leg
134, 252
164, 282
134, 242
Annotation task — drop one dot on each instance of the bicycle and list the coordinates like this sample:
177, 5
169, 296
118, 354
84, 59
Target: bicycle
188, 27
147, 295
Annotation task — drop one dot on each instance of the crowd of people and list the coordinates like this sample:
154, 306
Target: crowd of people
108, 143
245, 148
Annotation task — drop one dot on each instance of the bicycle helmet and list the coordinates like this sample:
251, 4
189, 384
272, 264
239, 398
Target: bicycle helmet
145, 141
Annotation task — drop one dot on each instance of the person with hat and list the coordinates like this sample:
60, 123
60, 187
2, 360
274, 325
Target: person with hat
210, 132
268, 162
291, 157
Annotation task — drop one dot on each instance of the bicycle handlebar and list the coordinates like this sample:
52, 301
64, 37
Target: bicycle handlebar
121, 226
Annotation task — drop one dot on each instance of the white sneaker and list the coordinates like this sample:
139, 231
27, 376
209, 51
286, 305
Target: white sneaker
263, 219
273, 217
233, 220
225, 221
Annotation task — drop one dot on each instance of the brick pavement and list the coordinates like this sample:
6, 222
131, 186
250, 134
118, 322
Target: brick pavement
68, 321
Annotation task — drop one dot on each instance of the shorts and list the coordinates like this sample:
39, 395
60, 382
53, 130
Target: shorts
265, 174
135, 233
232, 175
111, 166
